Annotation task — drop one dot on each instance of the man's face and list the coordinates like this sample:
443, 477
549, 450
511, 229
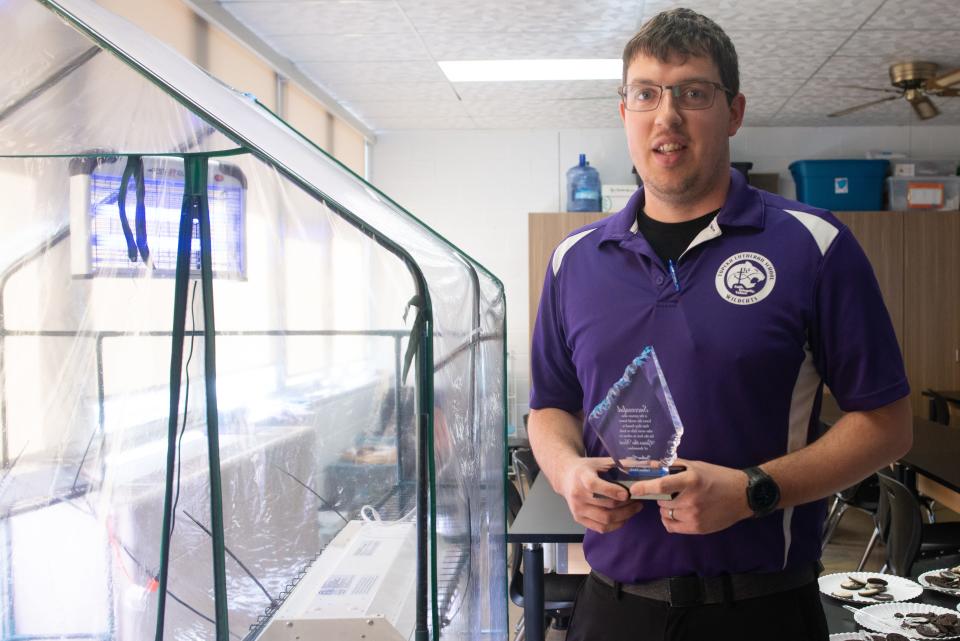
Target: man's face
682, 155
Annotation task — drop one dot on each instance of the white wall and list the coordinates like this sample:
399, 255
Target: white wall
476, 187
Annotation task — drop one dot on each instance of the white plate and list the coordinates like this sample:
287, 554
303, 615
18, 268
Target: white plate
885, 612
902, 589
847, 636
922, 579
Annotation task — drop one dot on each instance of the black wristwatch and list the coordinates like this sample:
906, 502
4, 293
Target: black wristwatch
763, 493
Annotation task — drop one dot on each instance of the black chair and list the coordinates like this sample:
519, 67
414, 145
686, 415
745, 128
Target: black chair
937, 408
559, 590
864, 496
526, 467
907, 538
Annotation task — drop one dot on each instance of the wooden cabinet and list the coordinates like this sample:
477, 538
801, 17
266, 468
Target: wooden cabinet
880, 233
915, 255
545, 232
931, 306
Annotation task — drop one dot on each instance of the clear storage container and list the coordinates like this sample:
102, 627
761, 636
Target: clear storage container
938, 193
909, 167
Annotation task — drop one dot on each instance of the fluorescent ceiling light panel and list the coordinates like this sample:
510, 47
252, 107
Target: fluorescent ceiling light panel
514, 70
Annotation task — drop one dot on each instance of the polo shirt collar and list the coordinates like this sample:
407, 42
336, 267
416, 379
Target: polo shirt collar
744, 207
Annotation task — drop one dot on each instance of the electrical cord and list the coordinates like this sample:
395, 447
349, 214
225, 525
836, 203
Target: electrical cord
325, 502
186, 405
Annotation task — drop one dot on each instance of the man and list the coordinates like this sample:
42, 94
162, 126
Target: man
752, 303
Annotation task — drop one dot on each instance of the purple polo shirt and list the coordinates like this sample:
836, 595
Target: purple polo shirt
776, 298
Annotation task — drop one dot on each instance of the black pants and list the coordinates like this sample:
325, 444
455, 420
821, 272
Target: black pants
600, 614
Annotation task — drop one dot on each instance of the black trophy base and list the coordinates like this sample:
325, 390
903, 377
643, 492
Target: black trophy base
627, 479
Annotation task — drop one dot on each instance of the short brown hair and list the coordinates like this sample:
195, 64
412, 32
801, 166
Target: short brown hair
684, 32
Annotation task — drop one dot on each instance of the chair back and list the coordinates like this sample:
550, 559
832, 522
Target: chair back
514, 503
900, 520
937, 408
527, 467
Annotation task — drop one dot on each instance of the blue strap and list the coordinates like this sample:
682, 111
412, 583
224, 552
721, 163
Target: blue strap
128, 171
134, 169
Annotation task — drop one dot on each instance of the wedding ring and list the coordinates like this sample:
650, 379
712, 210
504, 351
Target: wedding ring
670, 515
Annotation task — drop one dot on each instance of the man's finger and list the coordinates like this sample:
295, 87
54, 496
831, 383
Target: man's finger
596, 526
626, 511
602, 521
605, 501
602, 463
663, 485
596, 485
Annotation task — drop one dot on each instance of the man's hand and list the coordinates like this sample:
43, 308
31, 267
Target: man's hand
593, 502
711, 498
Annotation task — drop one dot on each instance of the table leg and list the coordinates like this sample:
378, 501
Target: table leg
533, 591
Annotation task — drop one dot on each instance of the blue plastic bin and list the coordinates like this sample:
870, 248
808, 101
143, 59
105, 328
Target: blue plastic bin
840, 185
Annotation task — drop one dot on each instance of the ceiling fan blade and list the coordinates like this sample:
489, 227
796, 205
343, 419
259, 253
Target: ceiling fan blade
885, 89
947, 93
945, 79
850, 110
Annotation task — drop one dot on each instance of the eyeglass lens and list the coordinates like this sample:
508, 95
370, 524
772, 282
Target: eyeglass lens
689, 95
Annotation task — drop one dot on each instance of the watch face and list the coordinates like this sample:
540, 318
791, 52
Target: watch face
765, 494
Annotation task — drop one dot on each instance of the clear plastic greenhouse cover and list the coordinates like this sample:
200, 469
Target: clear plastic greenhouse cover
243, 395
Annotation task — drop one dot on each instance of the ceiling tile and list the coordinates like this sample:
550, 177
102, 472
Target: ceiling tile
549, 110
378, 56
776, 67
432, 122
312, 18
372, 110
756, 88
796, 43
760, 15
507, 46
869, 70
764, 107
390, 47
547, 121
432, 16
916, 14
394, 91
562, 90
891, 45
527, 106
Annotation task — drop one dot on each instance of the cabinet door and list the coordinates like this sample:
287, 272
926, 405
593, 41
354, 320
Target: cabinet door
546, 231
880, 233
931, 302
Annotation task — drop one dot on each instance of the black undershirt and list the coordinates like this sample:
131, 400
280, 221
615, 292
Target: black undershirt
669, 240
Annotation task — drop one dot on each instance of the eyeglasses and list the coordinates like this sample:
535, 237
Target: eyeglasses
697, 94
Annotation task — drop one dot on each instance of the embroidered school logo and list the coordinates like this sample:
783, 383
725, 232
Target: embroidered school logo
746, 278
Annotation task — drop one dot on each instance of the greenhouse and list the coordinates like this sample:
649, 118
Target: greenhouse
243, 394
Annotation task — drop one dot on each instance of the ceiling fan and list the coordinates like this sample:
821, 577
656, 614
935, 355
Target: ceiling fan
915, 81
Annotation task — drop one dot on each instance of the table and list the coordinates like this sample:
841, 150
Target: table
840, 620
544, 518
934, 452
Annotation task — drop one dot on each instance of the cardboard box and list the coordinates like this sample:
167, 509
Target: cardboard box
766, 182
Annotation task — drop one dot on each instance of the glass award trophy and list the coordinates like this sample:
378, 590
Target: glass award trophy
638, 424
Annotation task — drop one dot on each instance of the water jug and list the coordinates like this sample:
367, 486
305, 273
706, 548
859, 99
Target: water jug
583, 187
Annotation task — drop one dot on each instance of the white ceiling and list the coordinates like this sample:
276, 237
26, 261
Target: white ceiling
378, 58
